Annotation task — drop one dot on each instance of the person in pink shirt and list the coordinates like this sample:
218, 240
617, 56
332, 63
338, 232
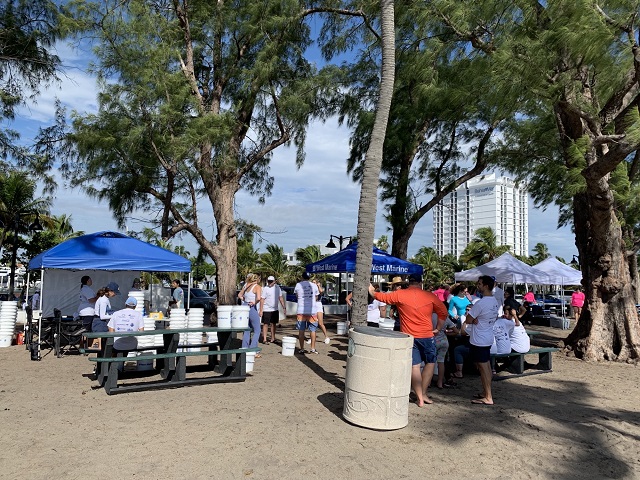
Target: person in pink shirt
529, 297
442, 292
577, 302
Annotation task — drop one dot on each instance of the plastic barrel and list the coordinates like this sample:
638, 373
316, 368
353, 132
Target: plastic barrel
378, 378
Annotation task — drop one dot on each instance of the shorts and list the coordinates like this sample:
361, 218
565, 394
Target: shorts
442, 347
424, 350
87, 320
480, 354
302, 325
270, 317
99, 325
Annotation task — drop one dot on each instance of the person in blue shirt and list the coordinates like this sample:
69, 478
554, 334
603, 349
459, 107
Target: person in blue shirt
458, 303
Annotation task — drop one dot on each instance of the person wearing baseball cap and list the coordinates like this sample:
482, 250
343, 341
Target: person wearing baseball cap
416, 307
126, 320
271, 295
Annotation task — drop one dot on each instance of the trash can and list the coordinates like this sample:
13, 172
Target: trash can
378, 378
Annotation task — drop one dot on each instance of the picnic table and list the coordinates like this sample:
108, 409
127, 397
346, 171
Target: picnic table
225, 357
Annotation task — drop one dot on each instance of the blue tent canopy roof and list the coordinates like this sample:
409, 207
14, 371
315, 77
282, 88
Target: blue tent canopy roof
109, 251
382, 264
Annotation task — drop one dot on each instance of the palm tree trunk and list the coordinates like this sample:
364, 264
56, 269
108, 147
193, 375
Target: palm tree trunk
373, 161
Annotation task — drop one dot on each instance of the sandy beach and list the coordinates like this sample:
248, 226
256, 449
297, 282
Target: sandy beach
285, 422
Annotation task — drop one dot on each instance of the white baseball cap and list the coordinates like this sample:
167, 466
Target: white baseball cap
271, 278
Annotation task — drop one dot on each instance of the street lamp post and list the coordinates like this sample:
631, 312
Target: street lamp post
34, 227
331, 244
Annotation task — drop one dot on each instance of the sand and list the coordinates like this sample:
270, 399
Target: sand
580, 421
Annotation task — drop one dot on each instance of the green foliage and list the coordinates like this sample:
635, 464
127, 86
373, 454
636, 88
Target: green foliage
483, 247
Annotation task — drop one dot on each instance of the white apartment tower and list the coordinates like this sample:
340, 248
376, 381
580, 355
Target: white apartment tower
485, 201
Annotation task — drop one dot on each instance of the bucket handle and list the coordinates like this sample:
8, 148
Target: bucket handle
351, 348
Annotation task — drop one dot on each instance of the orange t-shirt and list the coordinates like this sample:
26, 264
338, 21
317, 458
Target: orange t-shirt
415, 307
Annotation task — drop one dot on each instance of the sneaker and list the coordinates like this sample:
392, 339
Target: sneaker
308, 341
327, 340
313, 350
302, 351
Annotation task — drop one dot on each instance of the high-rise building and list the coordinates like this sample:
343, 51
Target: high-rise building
484, 201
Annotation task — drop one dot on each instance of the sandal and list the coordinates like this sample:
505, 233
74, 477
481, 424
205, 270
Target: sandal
258, 355
457, 374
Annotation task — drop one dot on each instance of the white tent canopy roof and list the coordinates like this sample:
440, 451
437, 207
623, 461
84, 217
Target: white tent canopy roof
506, 269
557, 273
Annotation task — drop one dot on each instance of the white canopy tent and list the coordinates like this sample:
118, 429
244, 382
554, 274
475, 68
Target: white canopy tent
506, 269
557, 273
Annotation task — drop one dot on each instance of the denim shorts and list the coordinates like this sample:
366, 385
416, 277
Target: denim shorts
304, 325
424, 350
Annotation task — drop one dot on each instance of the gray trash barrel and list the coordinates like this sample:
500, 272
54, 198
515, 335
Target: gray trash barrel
378, 378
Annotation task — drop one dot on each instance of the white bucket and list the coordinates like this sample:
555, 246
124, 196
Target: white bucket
5, 341
240, 316
251, 360
212, 337
144, 365
224, 316
342, 328
386, 323
288, 346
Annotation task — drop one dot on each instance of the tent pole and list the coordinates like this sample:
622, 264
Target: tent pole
189, 292
41, 310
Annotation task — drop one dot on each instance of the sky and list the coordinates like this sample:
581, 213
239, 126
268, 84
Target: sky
307, 205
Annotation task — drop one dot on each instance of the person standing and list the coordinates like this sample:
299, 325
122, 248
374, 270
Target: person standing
271, 296
306, 294
88, 297
482, 316
416, 308
320, 311
511, 302
103, 309
178, 294
251, 295
458, 303
35, 301
577, 302
126, 320
498, 294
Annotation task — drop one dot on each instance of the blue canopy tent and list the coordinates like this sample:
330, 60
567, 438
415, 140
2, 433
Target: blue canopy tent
105, 256
382, 264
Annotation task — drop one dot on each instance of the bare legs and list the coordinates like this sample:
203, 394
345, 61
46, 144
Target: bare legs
440, 374
485, 378
320, 316
420, 382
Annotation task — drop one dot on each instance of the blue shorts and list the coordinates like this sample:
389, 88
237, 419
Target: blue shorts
479, 354
303, 325
424, 350
99, 325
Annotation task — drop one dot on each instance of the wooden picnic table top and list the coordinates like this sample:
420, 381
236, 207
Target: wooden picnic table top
165, 332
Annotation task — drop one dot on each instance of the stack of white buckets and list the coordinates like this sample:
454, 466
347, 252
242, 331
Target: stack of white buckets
8, 316
195, 319
148, 341
236, 316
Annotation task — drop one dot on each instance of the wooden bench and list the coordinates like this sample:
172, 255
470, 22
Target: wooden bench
518, 365
225, 357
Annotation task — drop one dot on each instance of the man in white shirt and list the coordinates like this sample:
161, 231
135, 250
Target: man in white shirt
498, 294
306, 293
126, 320
271, 295
482, 316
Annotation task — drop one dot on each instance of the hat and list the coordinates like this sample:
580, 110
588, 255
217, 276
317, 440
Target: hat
271, 278
132, 302
114, 287
415, 278
397, 280
305, 276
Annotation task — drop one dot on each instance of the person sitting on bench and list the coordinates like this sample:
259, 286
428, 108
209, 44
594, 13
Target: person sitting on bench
520, 340
126, 320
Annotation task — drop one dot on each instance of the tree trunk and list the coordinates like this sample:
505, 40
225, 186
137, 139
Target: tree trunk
225, 252
608, 328
373, 161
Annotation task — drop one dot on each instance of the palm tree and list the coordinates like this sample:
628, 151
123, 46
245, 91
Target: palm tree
273, 262
541, 252
432, 264
373, 160
483, 247
382, 243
